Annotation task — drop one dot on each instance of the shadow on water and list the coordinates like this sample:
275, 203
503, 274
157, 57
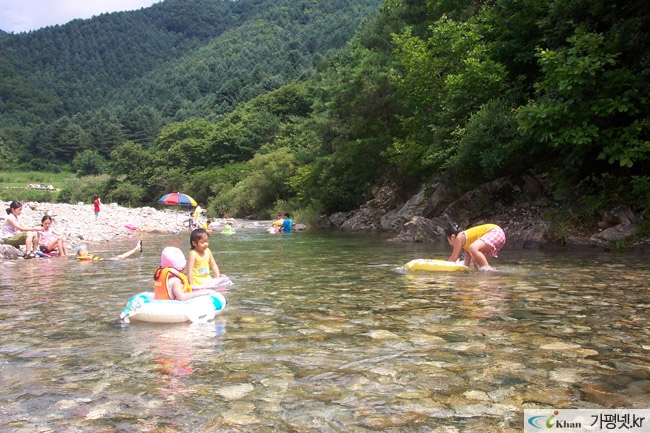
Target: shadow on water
323, 332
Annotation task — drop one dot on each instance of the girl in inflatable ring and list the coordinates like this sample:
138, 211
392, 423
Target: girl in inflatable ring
170, 283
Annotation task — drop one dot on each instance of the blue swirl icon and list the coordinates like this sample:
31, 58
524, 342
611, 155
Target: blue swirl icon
537, 421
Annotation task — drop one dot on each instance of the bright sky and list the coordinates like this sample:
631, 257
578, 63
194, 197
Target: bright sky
25, 15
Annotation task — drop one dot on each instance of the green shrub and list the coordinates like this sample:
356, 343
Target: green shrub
83, 189
127, 194
89, 163
26, 195
488, 146
308, 216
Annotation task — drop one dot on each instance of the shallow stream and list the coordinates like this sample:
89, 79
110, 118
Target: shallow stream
323, 333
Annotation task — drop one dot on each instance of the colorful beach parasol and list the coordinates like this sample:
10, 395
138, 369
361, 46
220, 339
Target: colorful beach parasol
177, 199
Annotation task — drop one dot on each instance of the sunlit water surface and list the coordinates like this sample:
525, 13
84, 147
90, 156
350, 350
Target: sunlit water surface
323, 333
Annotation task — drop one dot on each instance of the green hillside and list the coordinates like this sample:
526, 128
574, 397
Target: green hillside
129, 73
257, 107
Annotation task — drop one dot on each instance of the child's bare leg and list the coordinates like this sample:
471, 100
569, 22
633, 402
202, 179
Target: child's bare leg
31, 243
60, 245
131, 252
478, 250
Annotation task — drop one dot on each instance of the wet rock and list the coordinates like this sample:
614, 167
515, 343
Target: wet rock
471, 208
618, 232
619, 215
395, 219
420, 229
7, 252
411, 394
532, 236
474, 410
604, 396
103, 410
573, 243
559, 346
533, 398
368, 217
338, 218
382, 334
235, 418
476, 395
500, 394
235, 392
565, 375
299, 227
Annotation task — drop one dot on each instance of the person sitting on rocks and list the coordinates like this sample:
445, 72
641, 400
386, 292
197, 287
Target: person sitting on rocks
83, 254
50, 241
14, 233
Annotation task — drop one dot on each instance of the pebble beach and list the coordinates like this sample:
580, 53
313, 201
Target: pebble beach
78, 224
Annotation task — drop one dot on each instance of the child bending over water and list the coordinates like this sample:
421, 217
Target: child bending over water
478, 242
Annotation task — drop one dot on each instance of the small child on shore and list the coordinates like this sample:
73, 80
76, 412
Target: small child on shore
49, 241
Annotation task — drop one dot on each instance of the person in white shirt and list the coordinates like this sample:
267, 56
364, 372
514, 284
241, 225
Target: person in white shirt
16, 234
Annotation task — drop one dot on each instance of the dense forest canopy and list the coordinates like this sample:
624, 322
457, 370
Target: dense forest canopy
93, 84
258, 107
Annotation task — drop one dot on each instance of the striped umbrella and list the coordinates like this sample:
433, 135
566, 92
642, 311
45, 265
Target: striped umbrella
177, 199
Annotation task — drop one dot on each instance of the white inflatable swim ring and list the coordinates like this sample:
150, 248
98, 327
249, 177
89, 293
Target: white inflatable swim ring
144, 308
434, 265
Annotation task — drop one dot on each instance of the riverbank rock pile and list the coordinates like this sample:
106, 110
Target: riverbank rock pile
78, 224
520, 205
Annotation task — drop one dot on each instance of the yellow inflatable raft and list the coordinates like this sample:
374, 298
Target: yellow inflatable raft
434, 265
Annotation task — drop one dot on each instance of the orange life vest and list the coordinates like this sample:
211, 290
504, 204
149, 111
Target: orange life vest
161, 289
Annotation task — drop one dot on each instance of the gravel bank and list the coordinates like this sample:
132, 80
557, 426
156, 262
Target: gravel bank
77, 221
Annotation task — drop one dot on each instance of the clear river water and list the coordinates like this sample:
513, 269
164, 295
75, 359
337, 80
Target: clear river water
323, 333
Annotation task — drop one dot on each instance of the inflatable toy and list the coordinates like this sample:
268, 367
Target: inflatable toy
434, 265
143, 307
214, 283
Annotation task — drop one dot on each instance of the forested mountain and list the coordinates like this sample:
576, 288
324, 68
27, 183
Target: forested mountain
92, 84
278, 108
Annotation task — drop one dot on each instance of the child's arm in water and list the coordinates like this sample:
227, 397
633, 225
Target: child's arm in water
457, 242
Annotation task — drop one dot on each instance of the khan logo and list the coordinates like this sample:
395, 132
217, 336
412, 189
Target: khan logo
543, 422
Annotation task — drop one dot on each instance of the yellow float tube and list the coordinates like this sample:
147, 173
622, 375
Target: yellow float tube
433, 265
